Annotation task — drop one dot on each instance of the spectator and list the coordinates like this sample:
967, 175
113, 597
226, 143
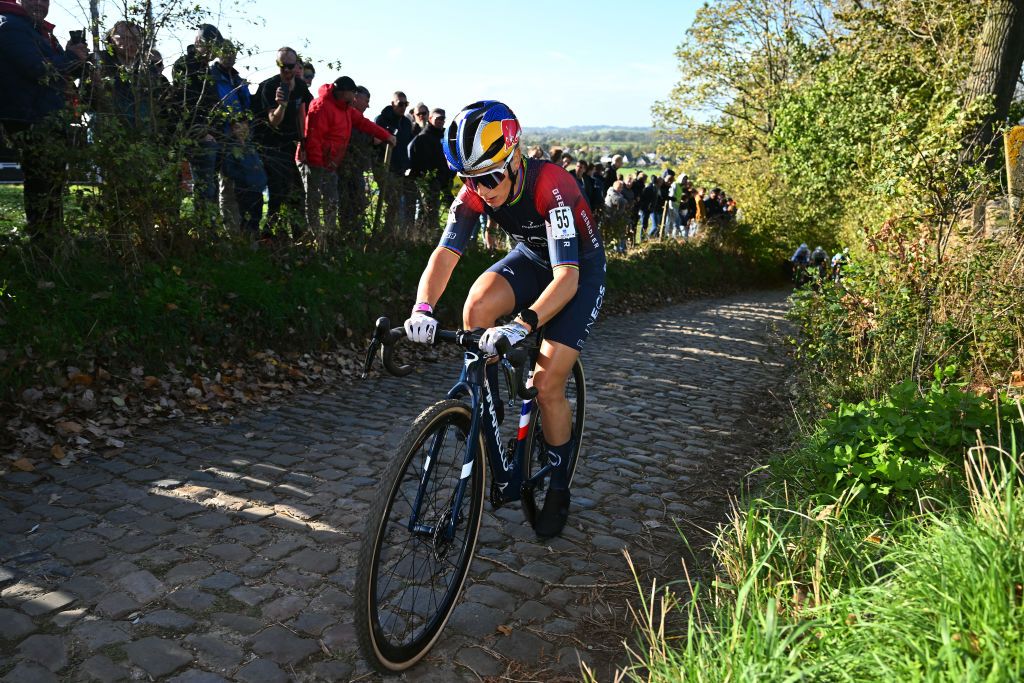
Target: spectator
617, 203
352, 187
280, 111
420, 118
427, 161
688, 211
555, 155
700, 213
328, 130
648, 207
597, 190
536, 153
128, 87
611, 173
233, 104
308, 74
243, 167
197, 99
579, 173
398, 191
32, 98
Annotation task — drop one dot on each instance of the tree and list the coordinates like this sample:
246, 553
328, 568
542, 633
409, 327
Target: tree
995, 70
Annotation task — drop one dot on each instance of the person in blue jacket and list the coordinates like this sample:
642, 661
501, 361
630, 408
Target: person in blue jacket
33, 93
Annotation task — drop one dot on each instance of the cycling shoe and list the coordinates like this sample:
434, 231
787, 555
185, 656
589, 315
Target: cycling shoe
555, 514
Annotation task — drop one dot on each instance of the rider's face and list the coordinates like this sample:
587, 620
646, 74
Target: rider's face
495, 197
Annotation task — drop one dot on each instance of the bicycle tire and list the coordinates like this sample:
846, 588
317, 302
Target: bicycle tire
576, 391
381, 611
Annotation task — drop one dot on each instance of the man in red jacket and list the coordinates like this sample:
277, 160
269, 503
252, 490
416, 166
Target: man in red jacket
329, 124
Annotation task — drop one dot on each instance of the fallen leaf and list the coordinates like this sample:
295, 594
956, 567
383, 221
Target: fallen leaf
69, 427
118, 401
23, 464
57, 451
171, 307
149, 381
873, 539
504, 630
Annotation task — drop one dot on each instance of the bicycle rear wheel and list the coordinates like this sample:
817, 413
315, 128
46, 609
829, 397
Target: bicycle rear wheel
409, 580
536, 456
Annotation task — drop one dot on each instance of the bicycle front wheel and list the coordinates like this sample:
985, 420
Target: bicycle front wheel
412, 567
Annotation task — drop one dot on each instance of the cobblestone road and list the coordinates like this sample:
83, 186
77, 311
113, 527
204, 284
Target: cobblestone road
207, 553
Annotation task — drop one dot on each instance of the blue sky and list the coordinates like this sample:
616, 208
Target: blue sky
554, 63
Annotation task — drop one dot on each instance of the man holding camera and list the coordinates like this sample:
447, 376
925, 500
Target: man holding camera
280, 113
33, 94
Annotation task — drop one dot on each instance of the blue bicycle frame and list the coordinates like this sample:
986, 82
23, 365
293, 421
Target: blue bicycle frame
506, 463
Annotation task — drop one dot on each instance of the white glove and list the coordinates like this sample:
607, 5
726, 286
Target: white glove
514, 332
421, 328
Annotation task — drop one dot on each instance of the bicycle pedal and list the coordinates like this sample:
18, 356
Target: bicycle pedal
497, 499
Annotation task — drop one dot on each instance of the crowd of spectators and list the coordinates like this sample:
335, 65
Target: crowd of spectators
308, 148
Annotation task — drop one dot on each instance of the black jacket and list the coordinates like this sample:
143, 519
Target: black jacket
401, 127
426, 157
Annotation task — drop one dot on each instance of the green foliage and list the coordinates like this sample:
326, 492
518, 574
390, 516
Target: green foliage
228, 301
890, 449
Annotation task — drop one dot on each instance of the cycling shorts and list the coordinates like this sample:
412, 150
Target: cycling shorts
572, 325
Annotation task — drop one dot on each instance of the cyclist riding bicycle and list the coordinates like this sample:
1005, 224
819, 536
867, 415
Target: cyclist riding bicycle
554, 276
820, 261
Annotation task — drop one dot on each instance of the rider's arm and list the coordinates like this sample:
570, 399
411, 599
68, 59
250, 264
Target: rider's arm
568, 220
556, 295
462, 218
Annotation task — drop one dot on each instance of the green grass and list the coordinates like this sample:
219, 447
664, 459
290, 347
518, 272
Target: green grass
228, 300
830, 591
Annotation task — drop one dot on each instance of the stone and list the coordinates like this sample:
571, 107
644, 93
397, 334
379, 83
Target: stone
489, 595
314, 561
135, 543
14, 625
474, 619
313, 623
85, 587
282, 646
191, 599
252, 595
230, 552
522, 646
340, 637
81, 553
220, 581
103, 669
548, 573
68, 617
333, 670
44, 604
188, 573
49, 651
284, 608
143, 586
531, 610
197, 676
261, 671
117, 605
157, 656
29, 672
169, 620
480, 661
237, 622
214, 653
99, 634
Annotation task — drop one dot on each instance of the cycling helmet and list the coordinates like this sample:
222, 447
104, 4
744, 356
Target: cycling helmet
482, 138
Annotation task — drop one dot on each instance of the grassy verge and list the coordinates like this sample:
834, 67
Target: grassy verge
888, 547
229, 301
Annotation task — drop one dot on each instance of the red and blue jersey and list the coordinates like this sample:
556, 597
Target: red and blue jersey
550, 219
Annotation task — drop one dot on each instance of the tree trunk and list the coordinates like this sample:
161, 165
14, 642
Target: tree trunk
993, 77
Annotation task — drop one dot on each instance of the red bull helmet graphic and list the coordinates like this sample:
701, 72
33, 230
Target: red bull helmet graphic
481, 138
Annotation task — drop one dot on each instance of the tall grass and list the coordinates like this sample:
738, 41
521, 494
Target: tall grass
816, 592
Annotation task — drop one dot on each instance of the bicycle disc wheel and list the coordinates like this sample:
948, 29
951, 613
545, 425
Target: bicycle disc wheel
409, 580
576, 392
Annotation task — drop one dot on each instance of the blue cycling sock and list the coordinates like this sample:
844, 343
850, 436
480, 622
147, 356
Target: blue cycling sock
559, 456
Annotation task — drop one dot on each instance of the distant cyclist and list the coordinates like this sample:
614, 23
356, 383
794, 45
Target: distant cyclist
799, 261
839, 260
554, 276
820, 261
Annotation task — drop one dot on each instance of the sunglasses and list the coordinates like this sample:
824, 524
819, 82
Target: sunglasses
284, 65
489, 180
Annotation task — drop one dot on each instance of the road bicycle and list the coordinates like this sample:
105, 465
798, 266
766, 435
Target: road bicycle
423, 524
